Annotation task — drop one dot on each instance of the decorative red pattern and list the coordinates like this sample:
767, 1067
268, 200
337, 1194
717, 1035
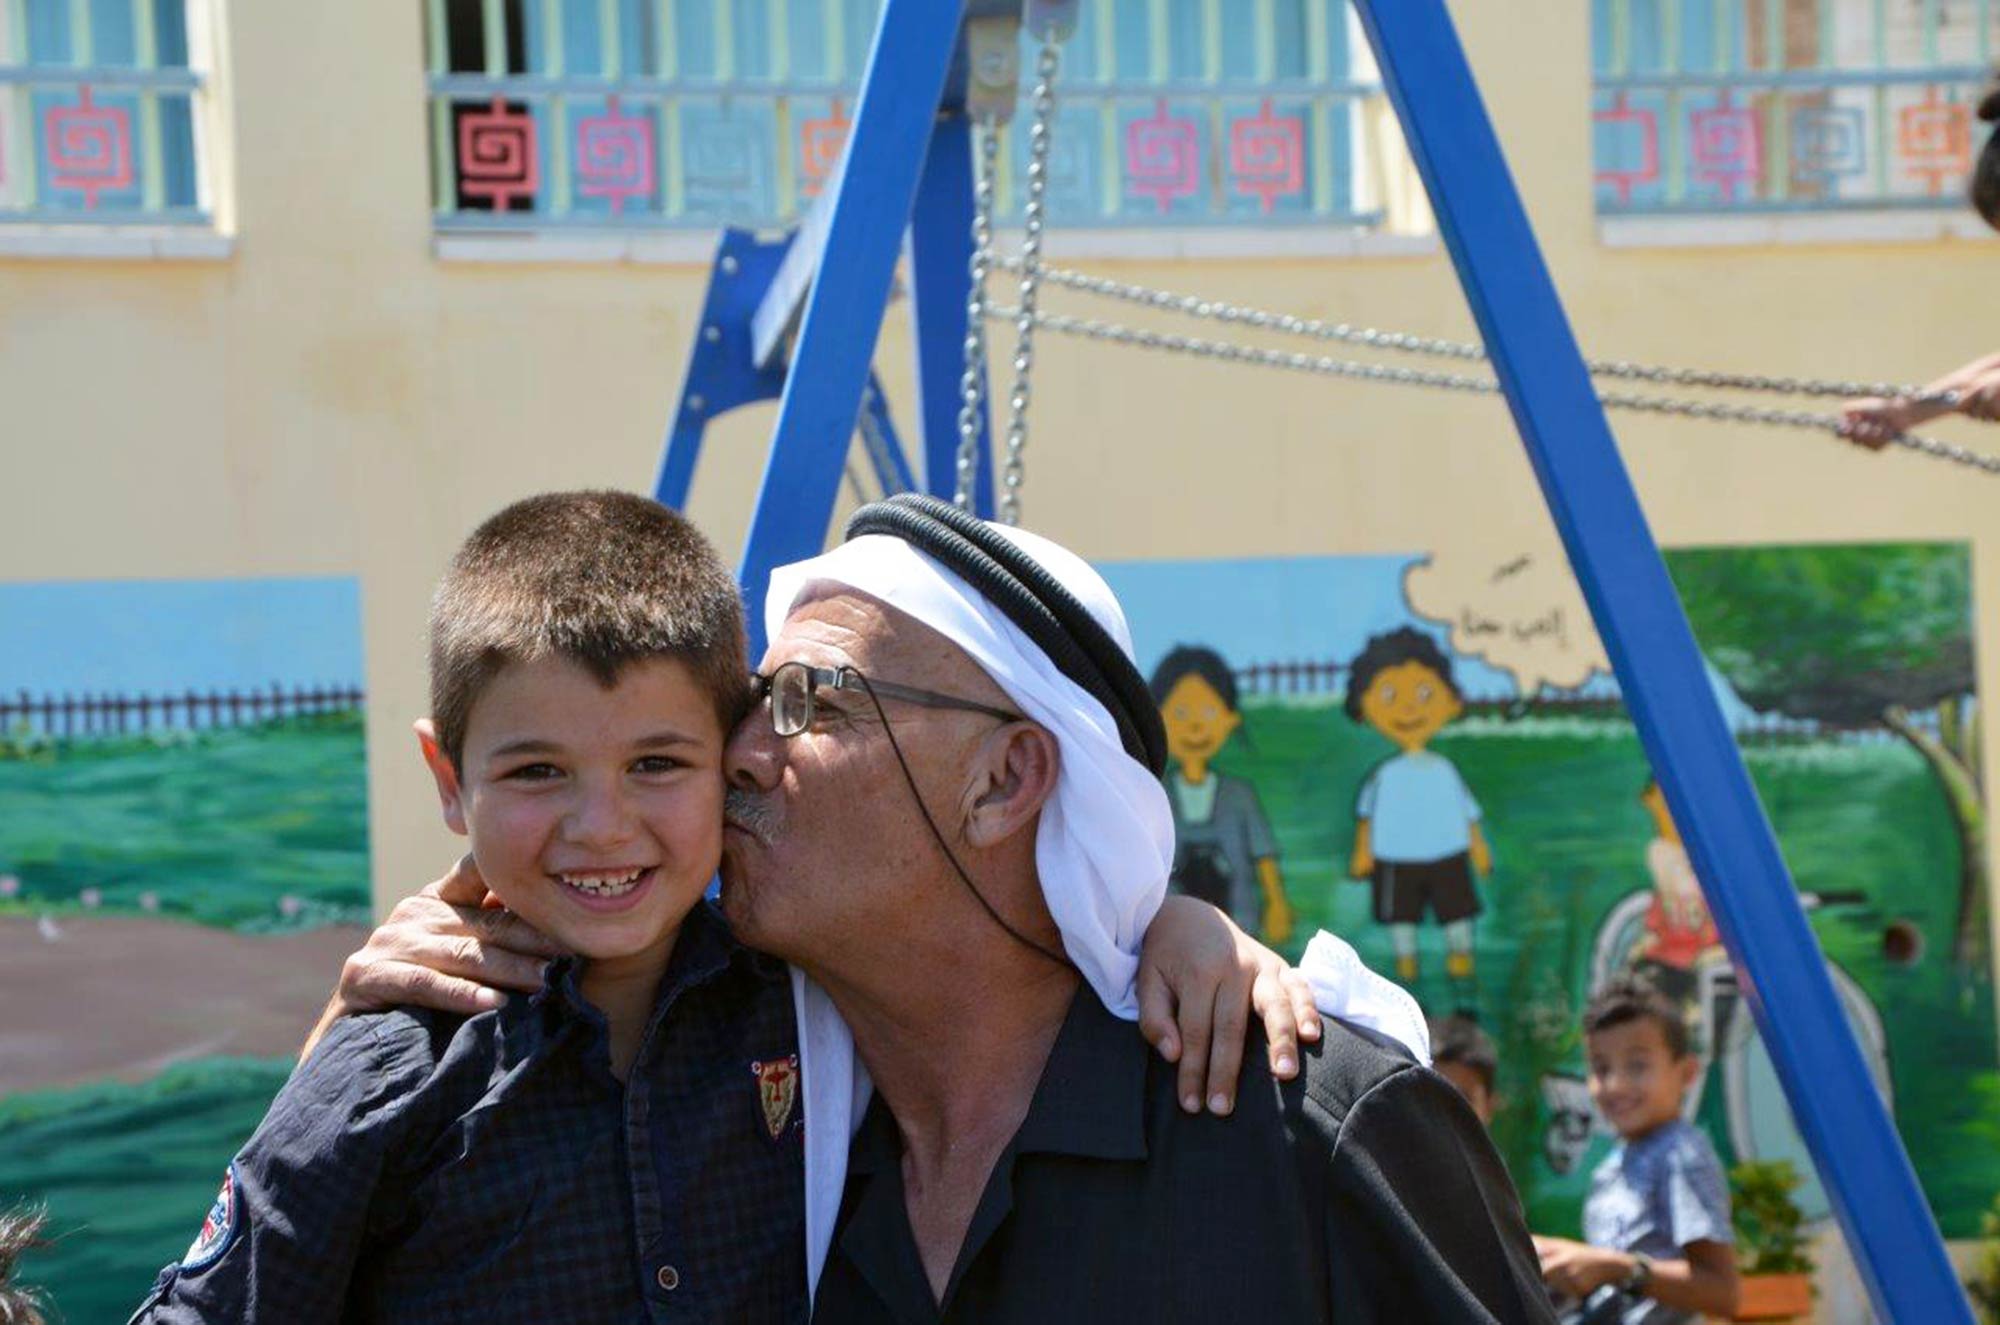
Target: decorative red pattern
1267, 155
498, 158
820, 144
1162, 157
1728, 147
1935, 139
614, 156
1648, 124
89, 147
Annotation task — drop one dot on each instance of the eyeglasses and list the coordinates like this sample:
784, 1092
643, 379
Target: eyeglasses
792, 686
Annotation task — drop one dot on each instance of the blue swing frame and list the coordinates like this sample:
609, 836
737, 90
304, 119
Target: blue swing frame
908, 167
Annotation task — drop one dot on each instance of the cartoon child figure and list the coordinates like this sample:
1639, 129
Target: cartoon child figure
1416, 825
1224, 851
1680, 935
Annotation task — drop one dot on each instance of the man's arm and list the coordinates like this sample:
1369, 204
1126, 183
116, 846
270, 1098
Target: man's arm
1422, 1221
449, 947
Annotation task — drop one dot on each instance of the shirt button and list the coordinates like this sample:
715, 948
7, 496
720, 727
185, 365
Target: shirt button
668, 1278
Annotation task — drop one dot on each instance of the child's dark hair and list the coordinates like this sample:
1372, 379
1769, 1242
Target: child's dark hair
605, 579
1193, 660
1629, 998
1457, 1039
1985, 187
1396, 647
20, 1233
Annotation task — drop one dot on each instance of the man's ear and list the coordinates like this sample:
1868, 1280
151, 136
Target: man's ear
1012, 777
450, 797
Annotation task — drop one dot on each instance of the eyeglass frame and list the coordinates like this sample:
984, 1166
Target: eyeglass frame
851, 679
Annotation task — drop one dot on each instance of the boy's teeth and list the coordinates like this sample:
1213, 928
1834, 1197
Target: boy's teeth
604, 885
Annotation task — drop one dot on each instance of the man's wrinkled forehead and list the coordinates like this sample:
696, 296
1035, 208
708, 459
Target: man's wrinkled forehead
876, 635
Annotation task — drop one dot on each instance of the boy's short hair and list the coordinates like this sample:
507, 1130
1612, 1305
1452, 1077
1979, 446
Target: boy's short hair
1457, 1039
1629, 998
1392, 649
1194, 660
604, 579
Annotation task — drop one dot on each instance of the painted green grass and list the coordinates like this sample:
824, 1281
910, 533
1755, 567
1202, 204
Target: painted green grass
215, 827
1569, 837
127, 1173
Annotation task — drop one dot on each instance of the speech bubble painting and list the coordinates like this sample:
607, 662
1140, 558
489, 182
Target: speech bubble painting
1521, 612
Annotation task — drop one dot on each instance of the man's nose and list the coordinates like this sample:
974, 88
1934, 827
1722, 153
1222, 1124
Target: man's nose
755, 754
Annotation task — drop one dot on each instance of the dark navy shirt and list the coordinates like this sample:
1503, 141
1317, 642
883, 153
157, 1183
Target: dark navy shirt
1365, 1192
426, 1167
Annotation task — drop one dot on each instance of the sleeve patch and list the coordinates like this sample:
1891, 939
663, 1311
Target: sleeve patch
219, 1229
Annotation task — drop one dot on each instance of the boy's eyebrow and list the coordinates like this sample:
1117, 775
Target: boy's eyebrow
535, 745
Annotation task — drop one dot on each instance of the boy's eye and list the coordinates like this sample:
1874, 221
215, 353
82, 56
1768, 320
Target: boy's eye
1423, 694
533, 773
1388, 694
656, 764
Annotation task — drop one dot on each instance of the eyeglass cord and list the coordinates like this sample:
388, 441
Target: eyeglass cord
910, 780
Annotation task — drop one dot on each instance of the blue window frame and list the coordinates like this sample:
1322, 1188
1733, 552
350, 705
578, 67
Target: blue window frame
1733, 106
557, 113
101, 110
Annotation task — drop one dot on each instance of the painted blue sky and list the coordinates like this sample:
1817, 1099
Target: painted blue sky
1300, 609
153, 636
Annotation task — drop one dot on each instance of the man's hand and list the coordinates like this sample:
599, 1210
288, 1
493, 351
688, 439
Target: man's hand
1577, 1269
451, 947
1199, 979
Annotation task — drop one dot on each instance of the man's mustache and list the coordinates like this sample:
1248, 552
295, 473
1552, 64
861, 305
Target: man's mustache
749, 812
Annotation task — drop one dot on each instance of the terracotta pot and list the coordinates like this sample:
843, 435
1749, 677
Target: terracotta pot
1775, 1297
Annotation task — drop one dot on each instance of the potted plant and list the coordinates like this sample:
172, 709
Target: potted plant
1776, 1268
1984, 1285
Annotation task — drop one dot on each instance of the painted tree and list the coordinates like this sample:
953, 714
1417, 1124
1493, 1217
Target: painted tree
1852, 638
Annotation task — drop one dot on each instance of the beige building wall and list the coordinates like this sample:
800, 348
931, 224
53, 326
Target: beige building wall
332, 398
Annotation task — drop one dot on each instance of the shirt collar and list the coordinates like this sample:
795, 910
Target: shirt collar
1091, 1100
702, 950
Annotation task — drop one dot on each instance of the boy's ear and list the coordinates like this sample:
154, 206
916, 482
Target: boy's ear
450, 798
1012, 777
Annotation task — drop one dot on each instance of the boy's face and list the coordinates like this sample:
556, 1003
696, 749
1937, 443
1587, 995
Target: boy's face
1471, 1085
1198, 722
1409, 703
1635, 1080
595, 814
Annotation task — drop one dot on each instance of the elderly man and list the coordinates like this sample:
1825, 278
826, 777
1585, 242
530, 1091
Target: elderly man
947, 815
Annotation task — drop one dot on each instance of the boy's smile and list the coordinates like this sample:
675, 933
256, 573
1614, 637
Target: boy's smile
594, 811
1409, 703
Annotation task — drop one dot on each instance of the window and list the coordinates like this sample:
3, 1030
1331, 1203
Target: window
101, 105
554, 113
1733, 106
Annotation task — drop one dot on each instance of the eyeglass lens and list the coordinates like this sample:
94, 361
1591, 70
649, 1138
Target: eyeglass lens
791, 699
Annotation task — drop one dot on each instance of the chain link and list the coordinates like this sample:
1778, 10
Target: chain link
1029, 265
1325, 365
1195, 306
972, 382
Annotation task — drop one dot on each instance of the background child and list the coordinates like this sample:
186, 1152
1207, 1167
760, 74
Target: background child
1657, 1239
1224, 851
1463, 1054
1416, 825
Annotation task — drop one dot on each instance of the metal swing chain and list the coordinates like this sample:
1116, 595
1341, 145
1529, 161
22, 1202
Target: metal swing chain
1029, 265
1195, 306
972, 383
1325, 365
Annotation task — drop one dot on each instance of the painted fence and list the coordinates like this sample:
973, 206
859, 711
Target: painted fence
65, 717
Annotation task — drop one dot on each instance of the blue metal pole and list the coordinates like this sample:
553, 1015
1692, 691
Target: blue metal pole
900, 90
892, 466
941, 274
1867, 1175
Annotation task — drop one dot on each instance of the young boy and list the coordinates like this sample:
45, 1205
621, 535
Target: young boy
625, 1143
1463, 1054
1417, 832
1657, 1240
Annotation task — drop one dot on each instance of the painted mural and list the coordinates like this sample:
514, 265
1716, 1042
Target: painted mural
183, 864
1429, 756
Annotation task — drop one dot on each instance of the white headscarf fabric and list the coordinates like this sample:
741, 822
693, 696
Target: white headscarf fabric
1104, 847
